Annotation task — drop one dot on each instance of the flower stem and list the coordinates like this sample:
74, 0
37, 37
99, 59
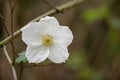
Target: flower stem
10, 62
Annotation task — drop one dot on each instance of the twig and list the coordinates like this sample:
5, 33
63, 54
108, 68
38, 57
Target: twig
12, 8
63, 7
14, 4
54, 7
10, 62
10, 3
2, 20
20, 72
10, 38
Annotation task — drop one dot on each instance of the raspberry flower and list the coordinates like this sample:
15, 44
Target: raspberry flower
46, 39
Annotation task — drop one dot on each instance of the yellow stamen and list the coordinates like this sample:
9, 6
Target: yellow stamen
47, 40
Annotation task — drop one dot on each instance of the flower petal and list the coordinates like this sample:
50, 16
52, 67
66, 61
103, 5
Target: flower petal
49, 21
63, 36
58, 54
36, 54
32, 34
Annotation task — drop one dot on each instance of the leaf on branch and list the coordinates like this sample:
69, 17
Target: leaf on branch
21, 58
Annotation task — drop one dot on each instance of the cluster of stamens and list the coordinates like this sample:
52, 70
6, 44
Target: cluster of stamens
47, 40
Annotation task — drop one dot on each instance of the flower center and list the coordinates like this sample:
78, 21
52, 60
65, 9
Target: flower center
47, 40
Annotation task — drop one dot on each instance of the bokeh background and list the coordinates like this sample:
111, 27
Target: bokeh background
95, 51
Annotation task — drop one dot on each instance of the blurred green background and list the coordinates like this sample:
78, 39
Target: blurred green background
95, 51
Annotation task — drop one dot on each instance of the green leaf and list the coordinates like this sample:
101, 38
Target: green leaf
21, 58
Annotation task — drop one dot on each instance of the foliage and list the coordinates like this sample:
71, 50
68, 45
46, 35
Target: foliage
21, 58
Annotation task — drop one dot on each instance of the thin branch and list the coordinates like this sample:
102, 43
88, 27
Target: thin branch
10, 38
14, 4
2, 20
7, 56
10, 3
63, 7
12, 8
20, 72
51, 5
10, 62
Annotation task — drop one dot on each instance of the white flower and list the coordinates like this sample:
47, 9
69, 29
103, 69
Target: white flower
46, 39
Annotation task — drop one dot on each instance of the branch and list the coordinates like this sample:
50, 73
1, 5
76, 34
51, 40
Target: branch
54, 7
12, 4
63, 7
10, 62
2, 21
